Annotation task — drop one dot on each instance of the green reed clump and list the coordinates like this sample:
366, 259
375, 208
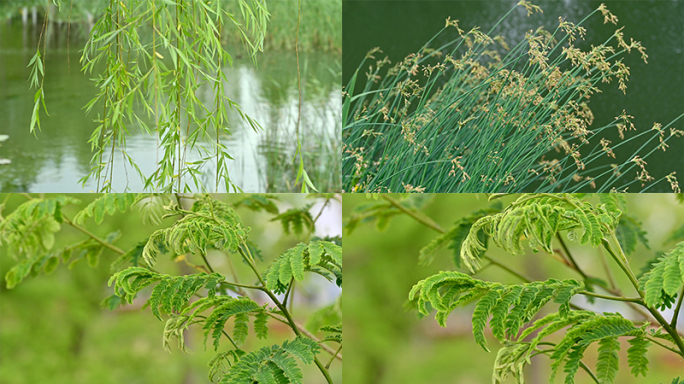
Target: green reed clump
478, 115
320, 26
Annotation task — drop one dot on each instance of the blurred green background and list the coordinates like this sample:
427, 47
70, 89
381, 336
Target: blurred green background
386, 344
52, 329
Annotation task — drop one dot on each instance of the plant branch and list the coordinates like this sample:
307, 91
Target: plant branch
308, 334
569, 256
675, 316
111, 247
250, 260
673, 332
415, 215
327, 366
588, 370
654, 341
622, 264
428, 222
614, 298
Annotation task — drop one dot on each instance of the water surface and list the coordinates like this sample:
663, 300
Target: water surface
55, 159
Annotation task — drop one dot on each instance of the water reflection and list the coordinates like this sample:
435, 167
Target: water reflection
55, 159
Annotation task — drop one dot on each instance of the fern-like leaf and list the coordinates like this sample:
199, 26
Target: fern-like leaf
261, 325
171, 293
108, 204
212, 224
664, 279
510, 306
636, 355
629, 233
538, 218
608, 362
274, 364
29, 231
321, 257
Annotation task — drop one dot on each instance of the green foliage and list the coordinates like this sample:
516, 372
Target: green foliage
273, 365
172, 293
665, 279
150, 59
35, 265
607, 364
477, 113
106, 204
381, 211
335, 332
210, 224
539, 218
629, 232
321, 257
636, 355
29, 230
510, 306
456, 235
294, 220
220, 307
259, 203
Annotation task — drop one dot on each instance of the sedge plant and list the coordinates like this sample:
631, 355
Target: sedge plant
209, 300
540, 317
481, 114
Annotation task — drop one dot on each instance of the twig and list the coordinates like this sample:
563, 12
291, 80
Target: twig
433, 225
675, 316
327, 366
614, 298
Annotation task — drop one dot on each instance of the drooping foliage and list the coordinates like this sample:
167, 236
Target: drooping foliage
538, 218
510, 306
456, 235
210, 224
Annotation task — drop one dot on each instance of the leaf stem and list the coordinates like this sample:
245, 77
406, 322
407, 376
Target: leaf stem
415, 215
654, 341
569, 256
675, 316
111, 247
622, 264
672, 331
250, 260
428, 222
327, 366
614, 298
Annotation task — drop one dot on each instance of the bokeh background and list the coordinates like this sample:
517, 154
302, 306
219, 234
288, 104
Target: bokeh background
386, 344
53, 331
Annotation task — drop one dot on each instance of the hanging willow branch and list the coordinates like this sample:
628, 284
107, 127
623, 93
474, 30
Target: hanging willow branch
152, 84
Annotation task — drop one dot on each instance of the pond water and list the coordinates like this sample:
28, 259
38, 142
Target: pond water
655, 92
55, 159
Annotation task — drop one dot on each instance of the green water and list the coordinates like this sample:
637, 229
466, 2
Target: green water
55, 159
655, 91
